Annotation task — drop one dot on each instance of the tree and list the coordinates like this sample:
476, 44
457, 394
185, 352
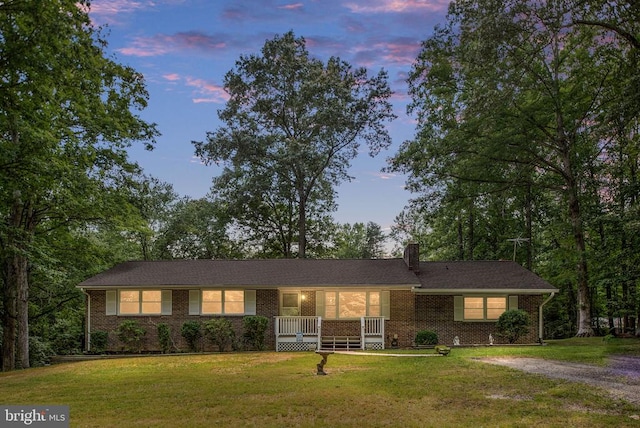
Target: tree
66, 119
292, 125
513, 96
196, 229
358, 241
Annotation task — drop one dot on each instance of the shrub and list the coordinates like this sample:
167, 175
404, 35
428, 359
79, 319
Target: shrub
255, 328
164, 337
99, 340
40, 351
131, 334
426, 337
220, 332
513, 324
192, 333
66, 336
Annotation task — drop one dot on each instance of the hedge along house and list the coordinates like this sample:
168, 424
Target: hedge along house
312, 304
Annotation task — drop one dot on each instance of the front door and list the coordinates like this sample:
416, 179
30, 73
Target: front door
289, 303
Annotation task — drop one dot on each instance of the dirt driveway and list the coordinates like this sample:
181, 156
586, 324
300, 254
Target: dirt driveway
621, 377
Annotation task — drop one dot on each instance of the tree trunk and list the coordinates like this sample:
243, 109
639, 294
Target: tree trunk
302, 227
16, 297
584, 294
9, 297
22, 311
529, 226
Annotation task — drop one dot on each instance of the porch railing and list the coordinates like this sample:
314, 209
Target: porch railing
298, 333
372, 326
293, 325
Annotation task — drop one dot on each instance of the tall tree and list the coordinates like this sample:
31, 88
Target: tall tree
513, 94
66, 119
292, 125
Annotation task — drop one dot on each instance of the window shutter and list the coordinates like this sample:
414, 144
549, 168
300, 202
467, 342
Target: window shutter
250, 302
194, 302
166, 302
513, 302
112, 302
385, 304
458, 308
319, 303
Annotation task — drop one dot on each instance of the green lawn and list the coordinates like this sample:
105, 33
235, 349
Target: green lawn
282, 389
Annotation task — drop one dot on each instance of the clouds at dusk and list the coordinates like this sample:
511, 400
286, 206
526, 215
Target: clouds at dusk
162, 44
397, 6
184, 48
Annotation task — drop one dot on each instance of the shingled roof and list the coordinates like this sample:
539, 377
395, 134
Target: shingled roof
256, 273
474, 276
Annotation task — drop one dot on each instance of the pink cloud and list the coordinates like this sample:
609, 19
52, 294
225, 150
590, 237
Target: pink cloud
172, 77
108, 11
398, 6
293, 6
209, 91
162, 44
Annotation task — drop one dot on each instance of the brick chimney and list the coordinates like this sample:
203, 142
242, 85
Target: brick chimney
412, 257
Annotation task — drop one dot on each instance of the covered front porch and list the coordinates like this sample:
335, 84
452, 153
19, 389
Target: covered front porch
310, 333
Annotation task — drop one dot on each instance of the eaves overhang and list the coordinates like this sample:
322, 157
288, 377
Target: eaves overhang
482, 291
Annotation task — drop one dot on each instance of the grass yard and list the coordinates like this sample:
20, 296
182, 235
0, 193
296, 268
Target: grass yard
282, 389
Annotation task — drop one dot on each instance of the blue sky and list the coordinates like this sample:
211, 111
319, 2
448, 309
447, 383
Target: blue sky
185, 47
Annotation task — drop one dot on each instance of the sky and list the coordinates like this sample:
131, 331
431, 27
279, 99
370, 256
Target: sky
184, 48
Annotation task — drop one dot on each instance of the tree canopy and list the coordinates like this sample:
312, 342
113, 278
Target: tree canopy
67, 116
291, 127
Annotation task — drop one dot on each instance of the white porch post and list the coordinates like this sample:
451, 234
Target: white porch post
319, 333
362, 333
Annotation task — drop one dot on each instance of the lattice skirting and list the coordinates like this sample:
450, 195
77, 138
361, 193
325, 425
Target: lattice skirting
374, 346
296, 346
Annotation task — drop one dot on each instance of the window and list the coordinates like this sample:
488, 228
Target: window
289, 306
223, 302
484, 308
352, 304
143, 302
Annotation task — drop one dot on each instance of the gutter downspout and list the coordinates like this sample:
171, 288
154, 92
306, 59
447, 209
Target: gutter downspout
540, 327
87, 332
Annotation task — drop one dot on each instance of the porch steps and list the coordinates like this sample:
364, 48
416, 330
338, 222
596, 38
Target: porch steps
340, 343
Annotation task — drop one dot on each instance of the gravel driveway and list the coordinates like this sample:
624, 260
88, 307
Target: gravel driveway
621, 377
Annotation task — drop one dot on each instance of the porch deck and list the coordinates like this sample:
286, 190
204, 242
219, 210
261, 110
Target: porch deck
297, 333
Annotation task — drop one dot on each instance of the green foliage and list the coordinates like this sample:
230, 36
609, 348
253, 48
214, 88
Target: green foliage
220, 332
426, 337
513, 324
291, 127
358, 241
192, 332
131, 334
68, 114
40, 352
164, 337
99, 341
255, 328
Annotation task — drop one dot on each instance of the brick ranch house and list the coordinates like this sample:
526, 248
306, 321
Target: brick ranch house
312, 304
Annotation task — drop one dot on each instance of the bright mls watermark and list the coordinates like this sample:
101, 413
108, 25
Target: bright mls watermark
34, 416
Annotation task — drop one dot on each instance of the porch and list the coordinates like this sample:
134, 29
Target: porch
297, 333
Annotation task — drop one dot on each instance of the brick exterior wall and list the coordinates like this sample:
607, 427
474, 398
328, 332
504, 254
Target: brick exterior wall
409, 313
266, 305
435, 313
